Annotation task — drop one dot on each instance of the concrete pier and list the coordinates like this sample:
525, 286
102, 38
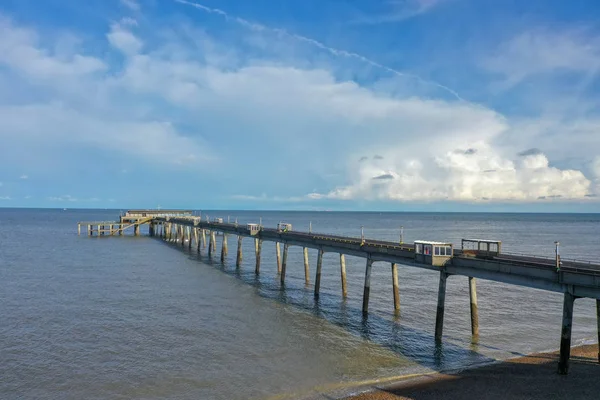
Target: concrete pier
367, 288
278, 250
474, 311
319, 268
238, 257
439, 317
395, 288
284, 262
306, 266
565, 336
476, 259
343, 275
258, 250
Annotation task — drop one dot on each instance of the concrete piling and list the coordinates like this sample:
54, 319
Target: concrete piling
343, 275
136, 229
204, 238
224, 248
211, 244
306, 267
196, 237
395, 288
79, 229
284, 262
238, 259
213, 238
474, 312
439, 318
565, 337
598, 322
189, 235
258, 250
183, 232
319, 267
278, 250
367, 287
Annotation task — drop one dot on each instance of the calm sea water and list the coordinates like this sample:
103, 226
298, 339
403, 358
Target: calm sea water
134, 317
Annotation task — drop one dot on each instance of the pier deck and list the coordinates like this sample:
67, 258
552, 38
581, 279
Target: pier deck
575, 279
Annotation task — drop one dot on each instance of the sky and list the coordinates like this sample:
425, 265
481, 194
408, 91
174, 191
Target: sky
386, 105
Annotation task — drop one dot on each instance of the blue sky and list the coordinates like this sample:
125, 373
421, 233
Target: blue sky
446, 105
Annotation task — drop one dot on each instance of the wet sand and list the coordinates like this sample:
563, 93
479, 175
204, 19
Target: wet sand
531, 377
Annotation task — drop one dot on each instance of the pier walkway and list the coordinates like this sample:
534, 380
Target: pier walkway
477, 258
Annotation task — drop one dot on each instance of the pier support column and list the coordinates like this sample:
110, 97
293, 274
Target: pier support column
204, 238
278, 250
79, 229
189, 236
238, 259
565, 337
183, 234
213, 238
395, 286
343, 274
306, 266
598, 321
258, 250
318, 277
211, 244
98, 230
284, 262
474, 312
225, 235
110, 227
367, 288
439, 318
196, 239
224, 248
150, 230
136, 229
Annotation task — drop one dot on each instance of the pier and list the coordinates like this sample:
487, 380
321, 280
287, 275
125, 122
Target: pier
476, 259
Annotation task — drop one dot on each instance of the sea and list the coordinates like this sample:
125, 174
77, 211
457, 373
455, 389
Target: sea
138, 318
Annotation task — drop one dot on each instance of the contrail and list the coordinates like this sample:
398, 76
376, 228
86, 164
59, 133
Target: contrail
337, 52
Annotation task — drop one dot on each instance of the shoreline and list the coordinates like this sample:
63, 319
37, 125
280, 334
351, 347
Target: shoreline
529, 377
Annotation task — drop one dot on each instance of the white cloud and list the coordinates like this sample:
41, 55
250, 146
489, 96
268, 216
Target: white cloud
5, 198
123, 40
20, 50
131, 4
400, 10
24, 177
539, 52
69, 198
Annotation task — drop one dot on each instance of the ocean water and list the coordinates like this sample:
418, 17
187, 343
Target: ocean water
135, 317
